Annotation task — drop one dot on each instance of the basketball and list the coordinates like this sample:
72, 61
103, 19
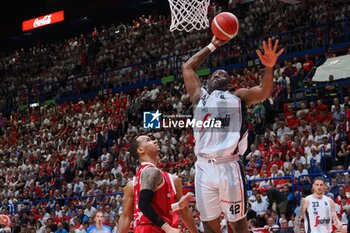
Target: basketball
225, 26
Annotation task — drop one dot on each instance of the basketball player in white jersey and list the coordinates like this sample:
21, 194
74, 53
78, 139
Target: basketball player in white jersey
220, 184
318, 211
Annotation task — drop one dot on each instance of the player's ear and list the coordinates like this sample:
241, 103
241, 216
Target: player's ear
140, 150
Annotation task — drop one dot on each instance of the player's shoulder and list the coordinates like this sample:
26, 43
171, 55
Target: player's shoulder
108, 228
305, 200
90, 228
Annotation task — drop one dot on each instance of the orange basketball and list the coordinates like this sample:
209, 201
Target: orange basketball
225, 26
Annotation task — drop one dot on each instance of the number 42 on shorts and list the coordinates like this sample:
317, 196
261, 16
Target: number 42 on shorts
235, 209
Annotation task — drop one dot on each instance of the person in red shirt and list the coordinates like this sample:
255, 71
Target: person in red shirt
321, 106
151, 196
292, 121
276, 161
307, 65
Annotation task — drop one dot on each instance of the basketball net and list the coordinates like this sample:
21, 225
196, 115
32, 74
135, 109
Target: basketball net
189, 14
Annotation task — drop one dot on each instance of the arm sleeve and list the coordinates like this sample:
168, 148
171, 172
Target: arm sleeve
145, 205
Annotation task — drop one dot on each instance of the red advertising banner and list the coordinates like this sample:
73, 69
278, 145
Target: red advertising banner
43, 21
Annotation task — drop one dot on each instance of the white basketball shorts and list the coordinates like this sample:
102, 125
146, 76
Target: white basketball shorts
220, 188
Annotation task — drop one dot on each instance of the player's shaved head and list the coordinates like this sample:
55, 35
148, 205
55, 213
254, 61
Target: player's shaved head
219, 80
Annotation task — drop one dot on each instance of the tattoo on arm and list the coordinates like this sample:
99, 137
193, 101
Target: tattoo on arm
151, 178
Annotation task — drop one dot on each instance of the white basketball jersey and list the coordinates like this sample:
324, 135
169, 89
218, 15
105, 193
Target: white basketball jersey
318, 218
232, 137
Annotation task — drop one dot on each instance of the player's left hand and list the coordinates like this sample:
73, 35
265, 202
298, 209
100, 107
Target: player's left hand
5, 220
186, 199
270, 55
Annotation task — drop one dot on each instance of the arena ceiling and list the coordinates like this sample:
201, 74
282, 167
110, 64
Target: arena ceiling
80, 16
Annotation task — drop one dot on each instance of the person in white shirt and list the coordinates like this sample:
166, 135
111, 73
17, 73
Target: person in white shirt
284, 81
303, 110
297, 64
265, 183
253, 151
116, 169
307, 148
325, 147
283, 130
146, 94
154, 92
177, 105
344, 216
301, 171
105, 155
314, 158
298, 159
90, 210
260, 206
58, 211
79, 186
336, 103
320, 134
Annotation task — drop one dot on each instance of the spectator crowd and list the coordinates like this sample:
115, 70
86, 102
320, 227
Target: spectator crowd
113, 56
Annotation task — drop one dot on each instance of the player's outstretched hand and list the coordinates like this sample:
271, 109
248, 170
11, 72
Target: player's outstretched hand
186, 199
5, 220
270, 55
217, 42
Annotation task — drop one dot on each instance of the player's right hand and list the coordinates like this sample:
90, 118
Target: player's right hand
217, 42
5, 220
270, 53
169, 229
186, 199
173, 230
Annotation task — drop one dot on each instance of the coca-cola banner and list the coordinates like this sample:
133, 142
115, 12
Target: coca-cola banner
43, 20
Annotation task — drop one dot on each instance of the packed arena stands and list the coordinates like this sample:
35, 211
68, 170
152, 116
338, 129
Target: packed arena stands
59, 163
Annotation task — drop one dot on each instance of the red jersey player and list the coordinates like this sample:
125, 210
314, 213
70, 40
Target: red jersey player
149, 200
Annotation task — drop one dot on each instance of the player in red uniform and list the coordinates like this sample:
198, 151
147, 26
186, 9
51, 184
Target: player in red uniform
150, 199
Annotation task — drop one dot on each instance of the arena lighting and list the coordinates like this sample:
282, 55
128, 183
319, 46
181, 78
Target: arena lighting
43, 21
33, 105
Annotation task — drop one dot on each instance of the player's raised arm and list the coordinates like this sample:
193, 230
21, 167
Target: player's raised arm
150, 179
260, 93
300, 215
335, 220
191, 79
127, 215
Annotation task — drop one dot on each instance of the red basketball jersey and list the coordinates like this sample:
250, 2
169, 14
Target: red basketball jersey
163, 197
